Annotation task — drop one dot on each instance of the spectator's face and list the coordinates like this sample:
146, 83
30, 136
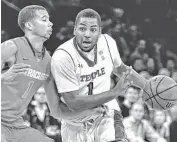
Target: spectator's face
118, 12
132, 95
137, 111
87, 32
173, 111
139, 65
40, 95
142, 45
133, 30
40, 25
164, 71
174, 76
170, 64
4, 36
159, 117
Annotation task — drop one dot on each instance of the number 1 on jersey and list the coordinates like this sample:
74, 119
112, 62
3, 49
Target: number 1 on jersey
90, 88
30, 85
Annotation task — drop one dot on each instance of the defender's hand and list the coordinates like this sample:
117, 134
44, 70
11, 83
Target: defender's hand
14, 70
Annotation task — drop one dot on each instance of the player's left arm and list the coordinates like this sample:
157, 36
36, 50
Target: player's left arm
120, 67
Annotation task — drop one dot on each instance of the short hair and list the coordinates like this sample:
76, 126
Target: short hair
138, 103
134, 87
28, 13
88, 13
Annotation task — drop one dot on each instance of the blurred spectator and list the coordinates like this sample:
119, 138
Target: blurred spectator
4, 35
65, 33
117, 33
173, 125
39, 110
160, 123
132, 37
164, 71
137, 128
171, 66
139, 58
174, 76
145, 74
132, 95
139, 52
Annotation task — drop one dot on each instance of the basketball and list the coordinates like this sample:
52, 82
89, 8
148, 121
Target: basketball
161, 92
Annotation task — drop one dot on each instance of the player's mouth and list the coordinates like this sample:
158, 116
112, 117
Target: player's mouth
86, 43
50, 31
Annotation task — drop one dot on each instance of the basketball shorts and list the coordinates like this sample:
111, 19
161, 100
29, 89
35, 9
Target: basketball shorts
108, 128
22, 135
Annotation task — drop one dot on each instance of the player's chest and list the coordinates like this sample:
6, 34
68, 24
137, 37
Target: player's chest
38, 70
101, 70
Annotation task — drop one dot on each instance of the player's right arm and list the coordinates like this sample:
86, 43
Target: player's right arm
8, 56
63, 70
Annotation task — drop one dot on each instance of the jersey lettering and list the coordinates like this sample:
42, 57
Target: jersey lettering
36, 74
93, 75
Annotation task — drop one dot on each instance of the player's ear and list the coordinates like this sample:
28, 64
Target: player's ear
29, 25
100, 30
74, 32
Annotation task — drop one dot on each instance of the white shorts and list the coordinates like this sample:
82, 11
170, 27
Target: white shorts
107, 128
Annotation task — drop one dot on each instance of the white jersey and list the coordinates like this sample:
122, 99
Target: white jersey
74, 72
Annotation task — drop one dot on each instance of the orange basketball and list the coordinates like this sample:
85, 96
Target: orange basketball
161, 92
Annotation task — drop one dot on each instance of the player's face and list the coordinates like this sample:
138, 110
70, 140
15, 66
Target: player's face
87, 32
41, 24
132, 95
137, 112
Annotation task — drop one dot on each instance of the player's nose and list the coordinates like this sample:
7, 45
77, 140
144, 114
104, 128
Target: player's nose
50, 24
87, 33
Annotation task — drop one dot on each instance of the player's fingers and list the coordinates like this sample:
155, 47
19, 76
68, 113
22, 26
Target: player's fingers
20, 66
20, 70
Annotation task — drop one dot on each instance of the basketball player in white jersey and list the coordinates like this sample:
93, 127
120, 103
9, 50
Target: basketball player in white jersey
82, 67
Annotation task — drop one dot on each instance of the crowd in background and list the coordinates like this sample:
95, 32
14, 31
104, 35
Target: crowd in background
149, 56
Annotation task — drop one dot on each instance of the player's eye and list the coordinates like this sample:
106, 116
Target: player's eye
93, 30
82, 29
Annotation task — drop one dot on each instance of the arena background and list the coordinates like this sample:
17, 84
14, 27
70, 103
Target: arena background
132, 23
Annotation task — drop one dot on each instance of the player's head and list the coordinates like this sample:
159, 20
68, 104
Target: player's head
34, 19
137, 111
132, 94
87, 29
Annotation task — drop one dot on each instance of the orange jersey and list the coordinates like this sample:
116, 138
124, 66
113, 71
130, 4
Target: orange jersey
17, 93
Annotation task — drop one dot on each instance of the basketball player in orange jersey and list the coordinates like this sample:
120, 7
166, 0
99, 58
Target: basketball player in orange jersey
25, 67
82, 67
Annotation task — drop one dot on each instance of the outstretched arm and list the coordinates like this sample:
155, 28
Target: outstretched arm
137, 79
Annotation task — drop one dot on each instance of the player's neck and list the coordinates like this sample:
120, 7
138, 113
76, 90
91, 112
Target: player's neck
89, 55
36, 42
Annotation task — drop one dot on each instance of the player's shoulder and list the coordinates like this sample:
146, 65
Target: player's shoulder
106, 37
68, 45
9, 46
64, 51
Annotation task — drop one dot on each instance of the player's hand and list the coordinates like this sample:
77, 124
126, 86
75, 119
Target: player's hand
123, 83
14, 70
